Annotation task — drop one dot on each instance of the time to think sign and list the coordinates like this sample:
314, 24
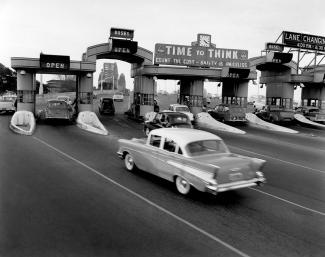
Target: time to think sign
168, 54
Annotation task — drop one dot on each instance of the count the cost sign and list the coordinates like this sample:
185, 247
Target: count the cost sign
200, 56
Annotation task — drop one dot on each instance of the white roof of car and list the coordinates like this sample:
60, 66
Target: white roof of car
178, 105
183, 136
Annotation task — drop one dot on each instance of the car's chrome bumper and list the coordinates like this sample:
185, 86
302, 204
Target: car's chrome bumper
120, 154
214, 189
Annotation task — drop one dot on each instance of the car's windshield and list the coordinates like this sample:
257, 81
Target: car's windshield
178, 119
204, 147
182, 109
57, 105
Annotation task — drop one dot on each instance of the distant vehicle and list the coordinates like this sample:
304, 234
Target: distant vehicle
167, 119
276, 114
312, 113
65, 98
7, 103
106, 105
118, 97
56, 110
191, 159
228, 113
183, 109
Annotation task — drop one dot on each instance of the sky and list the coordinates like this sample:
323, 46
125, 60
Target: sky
68, 27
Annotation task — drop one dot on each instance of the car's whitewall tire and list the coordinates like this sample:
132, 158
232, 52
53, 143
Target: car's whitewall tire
182, 185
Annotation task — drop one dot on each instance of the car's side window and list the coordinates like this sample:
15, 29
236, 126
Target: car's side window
179, 151
155, 140
169, 145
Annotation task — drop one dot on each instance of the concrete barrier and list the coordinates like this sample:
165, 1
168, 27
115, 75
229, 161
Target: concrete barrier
89, 121
303, 119
205, 120
257, 122
23, 122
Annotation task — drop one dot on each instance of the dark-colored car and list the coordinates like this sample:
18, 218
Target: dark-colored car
167, 119
106, 105
312, 113
56, 110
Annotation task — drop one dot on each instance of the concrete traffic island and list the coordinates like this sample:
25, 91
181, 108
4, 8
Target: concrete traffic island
205, 120
89, 121
303, 119
23, 122
257, 122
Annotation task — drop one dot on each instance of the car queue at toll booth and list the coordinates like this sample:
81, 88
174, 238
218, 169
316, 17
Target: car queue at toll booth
231, 67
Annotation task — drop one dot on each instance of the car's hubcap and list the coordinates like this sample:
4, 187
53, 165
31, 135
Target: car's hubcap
182, 185
129, 162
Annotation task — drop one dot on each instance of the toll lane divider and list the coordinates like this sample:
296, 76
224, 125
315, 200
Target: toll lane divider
23, 122
303, 119
256, 121
89, 121
205, 120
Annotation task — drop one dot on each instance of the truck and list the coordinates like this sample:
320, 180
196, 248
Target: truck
7, 103
274, 113
229, 113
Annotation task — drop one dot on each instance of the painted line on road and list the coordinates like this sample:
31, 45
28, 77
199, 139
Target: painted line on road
267, 156
287, 201
214, 238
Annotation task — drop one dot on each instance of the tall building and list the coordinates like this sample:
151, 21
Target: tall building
108, 77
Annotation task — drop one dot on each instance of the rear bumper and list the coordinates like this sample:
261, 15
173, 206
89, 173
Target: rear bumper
234, 185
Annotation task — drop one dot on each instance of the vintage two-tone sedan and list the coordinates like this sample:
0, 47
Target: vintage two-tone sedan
191, 158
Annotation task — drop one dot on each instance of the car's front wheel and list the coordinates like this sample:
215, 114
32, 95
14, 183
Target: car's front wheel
129, 162
182, 185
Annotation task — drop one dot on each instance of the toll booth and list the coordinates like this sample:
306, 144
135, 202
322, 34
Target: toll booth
235, 86
191, 94
313, 92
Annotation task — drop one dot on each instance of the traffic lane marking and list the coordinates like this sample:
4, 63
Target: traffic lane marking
289, 202
212, 237
270, 157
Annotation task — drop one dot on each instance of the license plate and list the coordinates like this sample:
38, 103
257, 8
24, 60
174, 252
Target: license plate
235, 176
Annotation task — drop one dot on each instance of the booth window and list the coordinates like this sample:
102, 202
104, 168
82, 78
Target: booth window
147, 99
191, 100
86, 97
287, 103
233, 100
312, 102
143, 99
25, 96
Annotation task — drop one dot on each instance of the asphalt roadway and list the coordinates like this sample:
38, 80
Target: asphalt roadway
64, 192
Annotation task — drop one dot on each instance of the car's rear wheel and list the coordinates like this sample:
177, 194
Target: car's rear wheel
129, 162
182, 185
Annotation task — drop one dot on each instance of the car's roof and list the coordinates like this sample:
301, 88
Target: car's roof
171, 113
183, 136
56, 101
178, 105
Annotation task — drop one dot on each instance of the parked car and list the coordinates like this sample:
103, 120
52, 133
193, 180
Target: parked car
106, 105
183, 109
65, 98
312, 113
167, 119
191, 158
7, 103
56, 110
118, 97
228, 113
